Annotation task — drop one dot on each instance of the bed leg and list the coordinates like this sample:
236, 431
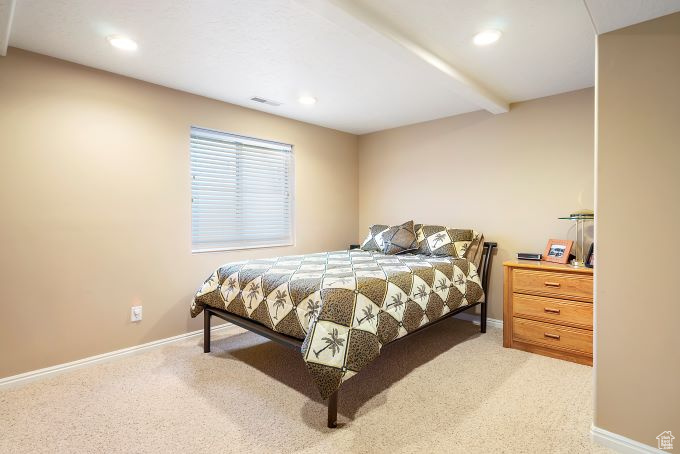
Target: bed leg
333, 410
206, 331
482, 318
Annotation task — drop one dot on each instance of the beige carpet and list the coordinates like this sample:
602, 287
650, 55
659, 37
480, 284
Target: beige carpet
449, 389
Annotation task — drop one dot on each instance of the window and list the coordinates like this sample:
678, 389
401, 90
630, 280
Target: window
241, 192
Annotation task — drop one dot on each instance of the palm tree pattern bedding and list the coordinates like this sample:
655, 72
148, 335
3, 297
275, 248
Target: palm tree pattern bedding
344, 305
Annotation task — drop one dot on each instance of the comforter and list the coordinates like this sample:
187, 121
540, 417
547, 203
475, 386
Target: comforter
344, 305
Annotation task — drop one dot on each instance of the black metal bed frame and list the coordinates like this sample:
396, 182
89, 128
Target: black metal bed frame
295, 343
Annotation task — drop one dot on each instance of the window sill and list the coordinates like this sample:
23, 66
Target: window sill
240, 248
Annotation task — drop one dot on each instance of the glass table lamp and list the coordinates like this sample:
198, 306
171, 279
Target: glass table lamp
580, 217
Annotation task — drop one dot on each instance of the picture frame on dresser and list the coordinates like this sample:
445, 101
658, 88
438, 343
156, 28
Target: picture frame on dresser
557, 251
590, 258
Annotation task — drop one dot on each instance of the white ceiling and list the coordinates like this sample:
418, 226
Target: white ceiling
547, 47
372, 64
611, 15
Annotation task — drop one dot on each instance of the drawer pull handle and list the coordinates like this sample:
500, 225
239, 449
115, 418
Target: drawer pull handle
551, 310
552, 336
551, 284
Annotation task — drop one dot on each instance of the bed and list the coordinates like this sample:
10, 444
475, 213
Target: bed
340, 308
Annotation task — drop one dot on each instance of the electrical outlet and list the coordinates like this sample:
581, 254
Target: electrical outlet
136, 314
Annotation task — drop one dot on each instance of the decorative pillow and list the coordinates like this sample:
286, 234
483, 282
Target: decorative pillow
440, 241
374, 240
461, 239
418, 228
400, 238
422, 232
476, 248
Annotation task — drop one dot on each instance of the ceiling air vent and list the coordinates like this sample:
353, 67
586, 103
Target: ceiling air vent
261, 100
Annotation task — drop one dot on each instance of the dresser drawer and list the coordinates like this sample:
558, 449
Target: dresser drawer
572, 313
554, 336
564, 285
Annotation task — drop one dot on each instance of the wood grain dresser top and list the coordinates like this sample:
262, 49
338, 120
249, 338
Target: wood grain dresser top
546, 266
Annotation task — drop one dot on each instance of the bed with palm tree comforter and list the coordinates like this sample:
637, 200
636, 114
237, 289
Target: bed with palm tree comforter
344, 305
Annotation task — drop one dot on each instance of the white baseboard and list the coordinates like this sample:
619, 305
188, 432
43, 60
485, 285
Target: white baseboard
61, 368
474, 318
619, 443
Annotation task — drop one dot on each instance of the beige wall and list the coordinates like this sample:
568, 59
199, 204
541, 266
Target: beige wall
509, 176
95, 206
638, 208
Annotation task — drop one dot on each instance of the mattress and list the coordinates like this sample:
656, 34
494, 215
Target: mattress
344, 305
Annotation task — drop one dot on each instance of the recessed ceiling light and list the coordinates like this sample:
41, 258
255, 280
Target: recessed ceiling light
307, 100
486, 37
121, 42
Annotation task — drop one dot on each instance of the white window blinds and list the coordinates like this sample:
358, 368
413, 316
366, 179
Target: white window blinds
241, 192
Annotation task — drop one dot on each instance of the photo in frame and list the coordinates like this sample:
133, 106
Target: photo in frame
557, 251
590, 258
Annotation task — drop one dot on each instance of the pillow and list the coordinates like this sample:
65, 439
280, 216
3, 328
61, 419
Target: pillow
399, 239
476, 248
418, 228
374, 241
422, 232
440, 241
461, 239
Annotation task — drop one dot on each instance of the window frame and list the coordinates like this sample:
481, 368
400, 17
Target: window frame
196, 249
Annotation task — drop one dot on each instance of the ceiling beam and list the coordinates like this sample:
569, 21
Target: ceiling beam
374, 29
6, 16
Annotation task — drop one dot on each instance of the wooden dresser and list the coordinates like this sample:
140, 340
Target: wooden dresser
548, 309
